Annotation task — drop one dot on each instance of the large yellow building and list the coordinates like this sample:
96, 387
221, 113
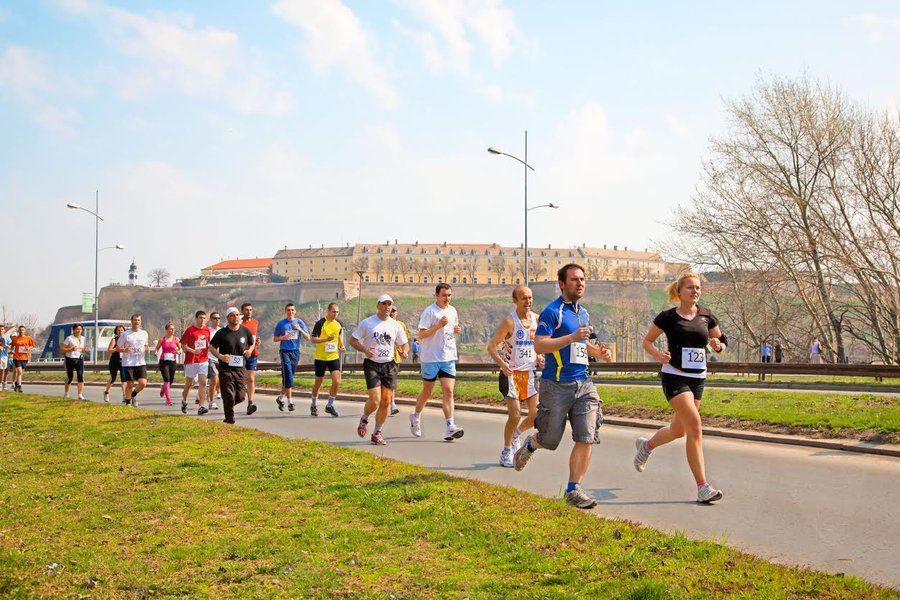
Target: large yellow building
460, 263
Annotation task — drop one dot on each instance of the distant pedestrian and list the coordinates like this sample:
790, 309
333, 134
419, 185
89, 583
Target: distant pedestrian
415, 350
765, 352
5, 359
779, 353
815, 352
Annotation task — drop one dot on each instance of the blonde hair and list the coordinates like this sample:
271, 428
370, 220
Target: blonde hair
673, 290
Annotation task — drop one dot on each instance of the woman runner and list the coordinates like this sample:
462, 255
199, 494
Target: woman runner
73, 349
115, 365
688, 328
168, 348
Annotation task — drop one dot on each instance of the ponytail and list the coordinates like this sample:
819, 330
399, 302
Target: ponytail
673, 290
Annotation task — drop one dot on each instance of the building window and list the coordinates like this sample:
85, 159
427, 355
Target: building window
517, 281
490, 280
503, 281
440, 280
381, 279
410, 279
366, 278
453, 280
464, 280
474, 280
425, 279
396, 279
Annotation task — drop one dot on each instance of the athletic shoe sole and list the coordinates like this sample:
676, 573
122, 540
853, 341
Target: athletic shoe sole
454, 436
331, 411
719, 495
251, 409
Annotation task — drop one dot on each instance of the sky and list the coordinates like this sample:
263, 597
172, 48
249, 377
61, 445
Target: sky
231, 128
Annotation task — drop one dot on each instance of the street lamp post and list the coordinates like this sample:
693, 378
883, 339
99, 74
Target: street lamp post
495, 150
97, 219
359, 304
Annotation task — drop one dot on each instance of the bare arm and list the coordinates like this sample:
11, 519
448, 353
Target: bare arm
714, 342
652, 334
544, 344
357, 345
503, 333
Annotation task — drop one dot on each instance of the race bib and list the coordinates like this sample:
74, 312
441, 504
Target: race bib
168, 356
578, 354
291, 335
22, 350
525, 353
383, 352
138, 350
236, 360
693, 358
331, 347
200, 344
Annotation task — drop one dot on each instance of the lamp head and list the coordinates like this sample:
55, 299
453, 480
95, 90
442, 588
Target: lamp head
551, 205
120, 247
73, 205
494, 150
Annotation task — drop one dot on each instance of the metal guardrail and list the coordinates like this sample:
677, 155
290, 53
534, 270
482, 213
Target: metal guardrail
745, 368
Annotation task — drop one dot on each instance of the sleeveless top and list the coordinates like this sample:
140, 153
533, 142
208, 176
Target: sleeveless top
522, 356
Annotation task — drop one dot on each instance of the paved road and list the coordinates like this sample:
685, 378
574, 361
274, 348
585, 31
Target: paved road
830, 510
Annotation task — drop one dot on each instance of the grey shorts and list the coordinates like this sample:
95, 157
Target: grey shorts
212, 369
574, 401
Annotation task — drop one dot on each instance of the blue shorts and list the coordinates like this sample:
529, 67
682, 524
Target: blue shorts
289, 360
252, 363
444, 369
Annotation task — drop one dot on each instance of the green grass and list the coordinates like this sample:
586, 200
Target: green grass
855, 415
114, 502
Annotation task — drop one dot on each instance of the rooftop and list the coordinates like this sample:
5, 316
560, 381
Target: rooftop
241, 263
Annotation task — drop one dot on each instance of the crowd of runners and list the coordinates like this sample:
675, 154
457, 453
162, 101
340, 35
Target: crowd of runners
222, 361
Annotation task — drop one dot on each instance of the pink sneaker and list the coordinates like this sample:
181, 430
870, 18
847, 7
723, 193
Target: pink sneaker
378, 439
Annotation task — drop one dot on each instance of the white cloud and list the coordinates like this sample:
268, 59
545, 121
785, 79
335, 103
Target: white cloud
23, 70
449, 24
170, 50
495, 93
678, 127
58, 120
336, 39
879, 27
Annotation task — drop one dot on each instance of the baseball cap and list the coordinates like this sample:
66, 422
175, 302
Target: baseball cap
385, 298
231, 311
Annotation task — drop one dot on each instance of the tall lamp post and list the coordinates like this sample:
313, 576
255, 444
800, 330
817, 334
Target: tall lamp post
359, 304
97, 219
495, 150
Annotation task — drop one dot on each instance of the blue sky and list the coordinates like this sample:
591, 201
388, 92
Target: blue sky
224, 129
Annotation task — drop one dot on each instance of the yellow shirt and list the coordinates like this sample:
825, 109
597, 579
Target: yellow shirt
397, 358
328, 350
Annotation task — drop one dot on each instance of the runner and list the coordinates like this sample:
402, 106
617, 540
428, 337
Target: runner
688, 328
438, 327
21, 349
567, 392
134, 344
378, 336
115, 364
327, 335
195, 343
5, 361
253, 361
397, 358
212, 372
288, 332
518, 369
73, 348
232, 346
168, 348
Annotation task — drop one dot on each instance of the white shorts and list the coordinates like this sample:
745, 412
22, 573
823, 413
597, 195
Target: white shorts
194, 370
521, 385
4, 363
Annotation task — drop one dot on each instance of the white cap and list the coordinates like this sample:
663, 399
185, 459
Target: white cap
385, 298
231, 311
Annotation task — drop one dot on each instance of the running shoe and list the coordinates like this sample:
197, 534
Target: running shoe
415, 424
642, 455
251, 408
168, 402
219, 396
106, 397
522, 455
453, 433
81, 396
580, 499
516, 442
213, 406
66, 395
506, 457
134, 402
362, 427
229, 421
395, 411
290, 407
197, 400
707, 494
378, 439
331, 410
313, 410
202, 411
184, 407
125, 400
280, 402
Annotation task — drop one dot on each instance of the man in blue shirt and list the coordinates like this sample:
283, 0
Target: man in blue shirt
5, 357
567, 392
288, 332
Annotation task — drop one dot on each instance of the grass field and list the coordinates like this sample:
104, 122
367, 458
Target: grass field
855, 415
104, 501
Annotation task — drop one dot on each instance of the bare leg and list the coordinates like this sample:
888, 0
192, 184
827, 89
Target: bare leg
513, 413
317, 385
384, 405
447, 386
335, 383
424, 395
528, 422
686, 422
579, 461
251, 386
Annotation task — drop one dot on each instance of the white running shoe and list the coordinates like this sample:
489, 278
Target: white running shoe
213, 406
506, 457
642, 455
708, 493
106, 397
219, 396
415, 424
81, 396
516, 442
453, 433
65, 394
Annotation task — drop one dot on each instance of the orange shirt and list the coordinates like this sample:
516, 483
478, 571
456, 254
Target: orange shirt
19, 343
253, 326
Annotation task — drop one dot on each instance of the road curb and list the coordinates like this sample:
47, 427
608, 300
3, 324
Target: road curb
844, 445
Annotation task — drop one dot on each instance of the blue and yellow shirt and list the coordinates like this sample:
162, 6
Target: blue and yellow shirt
561, 318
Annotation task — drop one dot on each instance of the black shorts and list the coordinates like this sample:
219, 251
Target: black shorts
21, 364
327, 365
677, 384
115, 370
503, 384
134, 373
380, 374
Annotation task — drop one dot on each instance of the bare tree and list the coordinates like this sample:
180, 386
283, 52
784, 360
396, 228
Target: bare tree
159, 277
446, 264
419, 267
360, 264
404, 267
536, 269
379, 267
430, 268
470, 267
498, 266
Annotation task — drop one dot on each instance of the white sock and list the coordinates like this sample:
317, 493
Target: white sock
507, 447
366, 416
518, 432
330, 400
377, 427
314, 398
450, 422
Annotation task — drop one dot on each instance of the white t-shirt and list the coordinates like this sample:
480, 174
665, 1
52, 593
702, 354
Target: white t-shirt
136, 340
441, 346
212, 333
380, 336
78, 342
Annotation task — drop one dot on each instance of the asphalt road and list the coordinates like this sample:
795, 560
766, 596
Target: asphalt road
830, 510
